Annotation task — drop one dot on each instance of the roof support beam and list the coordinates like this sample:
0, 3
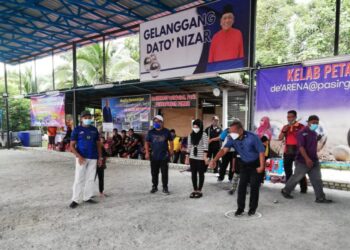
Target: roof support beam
69, 17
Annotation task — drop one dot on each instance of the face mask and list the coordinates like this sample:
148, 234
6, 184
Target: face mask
313, 127
234, 136
292, 122
196, 130
87, 122
156, 125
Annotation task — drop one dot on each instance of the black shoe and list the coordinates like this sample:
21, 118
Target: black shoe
73, 205
251, 212
198, 195
91, 201
154, 190
303, 191
166, 191
231, 192
220, 179
239, 212
286, 195
323, 200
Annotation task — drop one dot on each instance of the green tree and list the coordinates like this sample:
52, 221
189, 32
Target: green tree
295, 30
19, 114
344, 44
90, 65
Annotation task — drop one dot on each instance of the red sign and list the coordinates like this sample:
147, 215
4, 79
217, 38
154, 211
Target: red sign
174, 101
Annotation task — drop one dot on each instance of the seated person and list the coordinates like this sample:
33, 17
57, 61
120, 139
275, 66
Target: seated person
133, 145
116, 142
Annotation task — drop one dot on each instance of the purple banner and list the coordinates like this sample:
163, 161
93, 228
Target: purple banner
315, 87
322, 90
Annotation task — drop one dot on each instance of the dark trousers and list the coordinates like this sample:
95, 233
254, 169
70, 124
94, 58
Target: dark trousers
164, 168
288, 169
197, 167
176, 156
212, 152
101, 175
248, 174
226, 159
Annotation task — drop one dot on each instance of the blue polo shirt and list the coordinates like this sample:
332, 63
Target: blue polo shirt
249, 147
86, 138
159, 143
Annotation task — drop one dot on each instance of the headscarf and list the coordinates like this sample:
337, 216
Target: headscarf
196, 137
264, 128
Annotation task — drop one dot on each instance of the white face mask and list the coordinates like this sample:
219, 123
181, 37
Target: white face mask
196, 130
234, 136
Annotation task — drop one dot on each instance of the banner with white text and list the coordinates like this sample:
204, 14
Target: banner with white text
209, 38
322, 90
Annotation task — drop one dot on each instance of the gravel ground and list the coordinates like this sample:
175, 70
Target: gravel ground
36, 192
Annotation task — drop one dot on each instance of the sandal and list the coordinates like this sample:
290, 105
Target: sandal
193, 195
198, 195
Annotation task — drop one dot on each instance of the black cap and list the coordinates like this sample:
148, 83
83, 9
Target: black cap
85, 113
313, 118
227, 9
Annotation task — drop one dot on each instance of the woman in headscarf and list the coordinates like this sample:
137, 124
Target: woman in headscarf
264, 128
197, 156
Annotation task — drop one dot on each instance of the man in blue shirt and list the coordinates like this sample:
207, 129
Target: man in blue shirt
251, 161
158, 139
86, 147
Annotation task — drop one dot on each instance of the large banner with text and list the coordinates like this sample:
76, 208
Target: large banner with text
209, 38
126, 112
323, 90
47, 111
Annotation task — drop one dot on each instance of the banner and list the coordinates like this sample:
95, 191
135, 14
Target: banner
126, 112
174, 101
209, 38
47, 111
322, 90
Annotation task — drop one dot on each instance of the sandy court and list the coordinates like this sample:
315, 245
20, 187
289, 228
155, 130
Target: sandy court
36, 188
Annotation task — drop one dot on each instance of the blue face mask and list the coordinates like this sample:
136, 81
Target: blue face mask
156, 125
87, 122
314, 127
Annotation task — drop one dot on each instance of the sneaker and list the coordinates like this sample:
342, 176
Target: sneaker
73, 205
323, 200
286, 195
166, 191
154, 190
91, 201
239, 212
251, 212
303, 191
220, 179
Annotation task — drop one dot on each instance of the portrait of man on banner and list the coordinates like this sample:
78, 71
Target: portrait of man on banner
227, 44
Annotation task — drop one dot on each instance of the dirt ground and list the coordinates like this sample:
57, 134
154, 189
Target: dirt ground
36, 191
